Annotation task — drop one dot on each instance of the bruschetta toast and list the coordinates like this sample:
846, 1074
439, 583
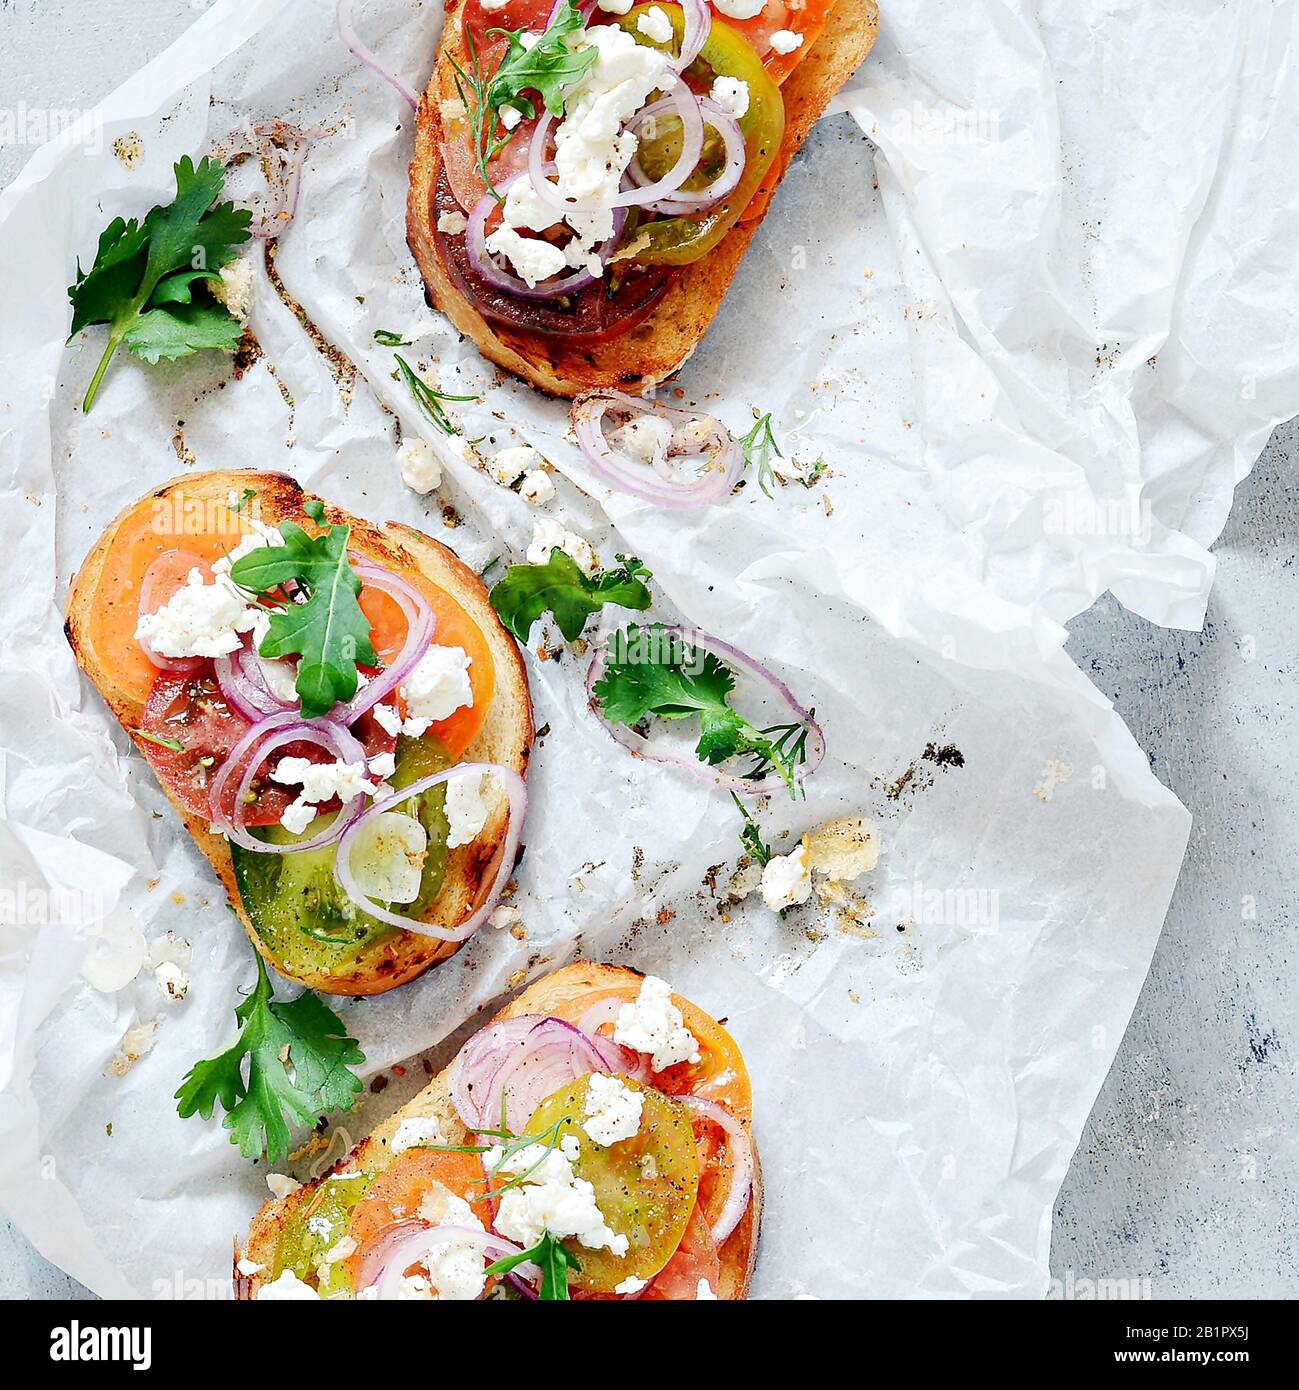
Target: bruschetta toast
307, 687
592, 1141
643, 143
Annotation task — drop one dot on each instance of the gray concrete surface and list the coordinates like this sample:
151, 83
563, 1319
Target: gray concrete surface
1185, 1183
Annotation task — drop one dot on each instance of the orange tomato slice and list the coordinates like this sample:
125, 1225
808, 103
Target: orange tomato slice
696, 1258
720, 1075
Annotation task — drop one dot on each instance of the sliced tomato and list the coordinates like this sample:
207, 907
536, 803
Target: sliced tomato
696, 1259
452, 627
476, 19
395, 1195
720, 1075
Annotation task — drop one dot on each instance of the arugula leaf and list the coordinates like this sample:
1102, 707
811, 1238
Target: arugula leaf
299, 1055
143, 269
561, 587
552, 1258
648, 672
328, 631
758, 446
549, 68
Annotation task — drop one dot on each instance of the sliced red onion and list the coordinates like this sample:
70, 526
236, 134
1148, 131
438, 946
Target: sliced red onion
686, 105
486, 266
741, 1147
359, 51
252, 750
685, 201
714, 483
244, 687
476, 1064
517, 793
742, 786
385, 1260
420, 626
181, 665
698, 24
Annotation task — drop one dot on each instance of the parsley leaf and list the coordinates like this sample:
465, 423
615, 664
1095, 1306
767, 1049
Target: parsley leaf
758, 446
563, 588
552, 1258
299, 1055
328, 631
650, 672
144, 276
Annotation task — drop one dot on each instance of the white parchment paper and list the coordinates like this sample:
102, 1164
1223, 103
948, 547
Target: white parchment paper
1032, 379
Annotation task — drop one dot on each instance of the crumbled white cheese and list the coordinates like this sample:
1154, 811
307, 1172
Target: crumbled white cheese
508, 465
249, 1267
655, 24
652, 1023
787, 879
549, 534
631, 1285
490, 5
536, 489
646, 437
287, 1286
704, 1291
785, 41
436, 687
466, 810
510, 116
383, 764
739, 9
387, 858
387, 718
173, 982
234, 288
534, 259
619, 6
319, 782
281, 1184
551, 1198
198, 620
420, 469
506, 918
611, 1110
731, 94
260, 536
454, 222
297, 815
415, 1130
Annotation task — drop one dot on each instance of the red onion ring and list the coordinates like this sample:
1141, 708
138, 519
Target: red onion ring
385, 1259
741, 1147
244, 688
420, 625
606, 1010
713, 485
742, 786
359, 51
485, 265
252, 750
698, 24
692, 144
477, 1063
517, 793
699, 200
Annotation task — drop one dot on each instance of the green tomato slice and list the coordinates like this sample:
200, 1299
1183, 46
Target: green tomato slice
311, 1233
726, 53
645, 1186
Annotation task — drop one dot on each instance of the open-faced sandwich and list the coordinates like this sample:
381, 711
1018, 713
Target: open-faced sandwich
586, 177
592, 1141
333, 708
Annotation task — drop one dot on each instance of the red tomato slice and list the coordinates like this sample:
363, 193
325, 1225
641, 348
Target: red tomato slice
758, 30
696, 1259
476, 20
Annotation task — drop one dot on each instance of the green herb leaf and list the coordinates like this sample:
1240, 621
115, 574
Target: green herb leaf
650, 672
561, 587
751, 836
328, 631
428, 399
385, 337
130, 285
758, 446
299, 1055
552, 1258
172, 744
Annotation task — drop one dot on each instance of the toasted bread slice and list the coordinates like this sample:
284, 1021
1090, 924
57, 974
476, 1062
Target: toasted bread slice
505, 737
372, 1155
644, 355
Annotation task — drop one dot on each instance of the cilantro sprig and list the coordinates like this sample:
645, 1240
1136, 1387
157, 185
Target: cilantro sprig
148, 280
299, 1057
563, 588
648, 672
323, 622
548, 67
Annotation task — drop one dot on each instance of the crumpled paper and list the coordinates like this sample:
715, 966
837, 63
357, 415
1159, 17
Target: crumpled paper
924, 1053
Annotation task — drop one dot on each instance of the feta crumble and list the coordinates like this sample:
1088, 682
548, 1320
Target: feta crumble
420, 469
653, 1024
739, 9
466, 810
631, 1285
655, 24
548, 535
704, 1291
536, 489
731, 94
508, 465
534, 259
436, 687
199, 619
787, 879
287, 1286
453, 223
551, 1198
785, 41
234, 288
415, 1130
611, 1111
